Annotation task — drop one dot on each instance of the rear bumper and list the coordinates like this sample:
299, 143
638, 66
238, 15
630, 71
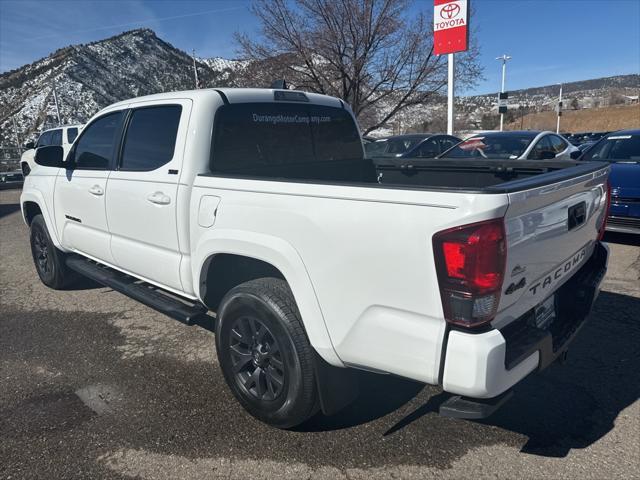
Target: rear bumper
484, 365
623, 224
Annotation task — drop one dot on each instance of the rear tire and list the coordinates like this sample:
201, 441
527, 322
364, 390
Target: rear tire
264, 353
48, 260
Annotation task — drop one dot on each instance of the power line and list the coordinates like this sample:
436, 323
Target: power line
128, 24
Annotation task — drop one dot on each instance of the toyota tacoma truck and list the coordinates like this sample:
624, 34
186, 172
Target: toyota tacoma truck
253, 212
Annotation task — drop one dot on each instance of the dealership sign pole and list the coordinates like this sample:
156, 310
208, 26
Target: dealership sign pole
450, 35
503, 96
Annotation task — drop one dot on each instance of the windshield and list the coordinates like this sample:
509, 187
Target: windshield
490, 146
616, 148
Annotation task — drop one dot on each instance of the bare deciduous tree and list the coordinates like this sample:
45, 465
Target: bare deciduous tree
370, 53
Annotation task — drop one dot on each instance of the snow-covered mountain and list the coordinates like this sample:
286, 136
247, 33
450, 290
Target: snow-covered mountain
89, 77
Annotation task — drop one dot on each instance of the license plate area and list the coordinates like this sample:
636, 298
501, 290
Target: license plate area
545, 313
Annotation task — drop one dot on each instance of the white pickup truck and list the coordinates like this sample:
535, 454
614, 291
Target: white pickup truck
63, 136
259, 205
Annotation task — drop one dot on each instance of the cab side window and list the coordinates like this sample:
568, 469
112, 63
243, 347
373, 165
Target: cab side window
150, 140
97, 145
56, 137
72, 133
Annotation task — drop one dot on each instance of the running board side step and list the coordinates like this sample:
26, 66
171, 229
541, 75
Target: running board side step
193, 313
473, 408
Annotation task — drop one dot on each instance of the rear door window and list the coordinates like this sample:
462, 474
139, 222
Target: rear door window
286, 140
97, 145
150, 140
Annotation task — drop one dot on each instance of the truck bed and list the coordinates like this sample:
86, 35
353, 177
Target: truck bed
470, 176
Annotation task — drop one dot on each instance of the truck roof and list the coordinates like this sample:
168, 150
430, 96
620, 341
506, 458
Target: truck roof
74, 125
234, 95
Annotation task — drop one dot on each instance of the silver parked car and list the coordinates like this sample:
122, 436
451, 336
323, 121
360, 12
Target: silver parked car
516, 145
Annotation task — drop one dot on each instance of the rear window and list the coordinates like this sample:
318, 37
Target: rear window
616, 147
286, 141
491, 146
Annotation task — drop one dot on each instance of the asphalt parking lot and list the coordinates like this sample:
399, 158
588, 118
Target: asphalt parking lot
94, 385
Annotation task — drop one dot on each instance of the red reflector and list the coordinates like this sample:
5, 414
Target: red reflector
470, 262
454, 254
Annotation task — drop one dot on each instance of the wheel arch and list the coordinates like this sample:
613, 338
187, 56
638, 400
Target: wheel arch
29, 210
32, 203
227, 258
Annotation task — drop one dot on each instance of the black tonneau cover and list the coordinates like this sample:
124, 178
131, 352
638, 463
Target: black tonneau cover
481, 176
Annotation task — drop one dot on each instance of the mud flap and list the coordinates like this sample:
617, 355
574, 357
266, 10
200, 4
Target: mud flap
337, 387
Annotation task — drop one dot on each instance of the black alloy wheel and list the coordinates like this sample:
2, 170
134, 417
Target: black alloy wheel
48, 260
256, 359
264, 353
43, 262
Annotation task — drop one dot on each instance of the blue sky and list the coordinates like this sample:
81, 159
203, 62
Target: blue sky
551, 41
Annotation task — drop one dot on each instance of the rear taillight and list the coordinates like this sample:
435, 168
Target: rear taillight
470, 263
603, 222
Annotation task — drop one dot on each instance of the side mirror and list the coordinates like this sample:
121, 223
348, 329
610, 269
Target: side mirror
29, 146
575, 154
50, 156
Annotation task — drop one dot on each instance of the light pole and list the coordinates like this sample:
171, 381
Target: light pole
450, 92
504, 59
559, 110
195, 69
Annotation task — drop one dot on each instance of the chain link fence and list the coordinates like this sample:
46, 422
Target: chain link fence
10, 172
10, 159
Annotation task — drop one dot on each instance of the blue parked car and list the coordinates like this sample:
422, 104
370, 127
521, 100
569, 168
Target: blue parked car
622, 150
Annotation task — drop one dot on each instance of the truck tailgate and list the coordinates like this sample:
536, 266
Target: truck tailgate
551, 231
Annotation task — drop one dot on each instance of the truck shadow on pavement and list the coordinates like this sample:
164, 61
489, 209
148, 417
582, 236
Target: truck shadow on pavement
164, 407
565, 407
622, 238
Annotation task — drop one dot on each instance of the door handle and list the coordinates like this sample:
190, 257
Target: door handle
96, 190
159, 198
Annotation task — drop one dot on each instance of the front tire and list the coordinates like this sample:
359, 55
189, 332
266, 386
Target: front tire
48, 260
264, 353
